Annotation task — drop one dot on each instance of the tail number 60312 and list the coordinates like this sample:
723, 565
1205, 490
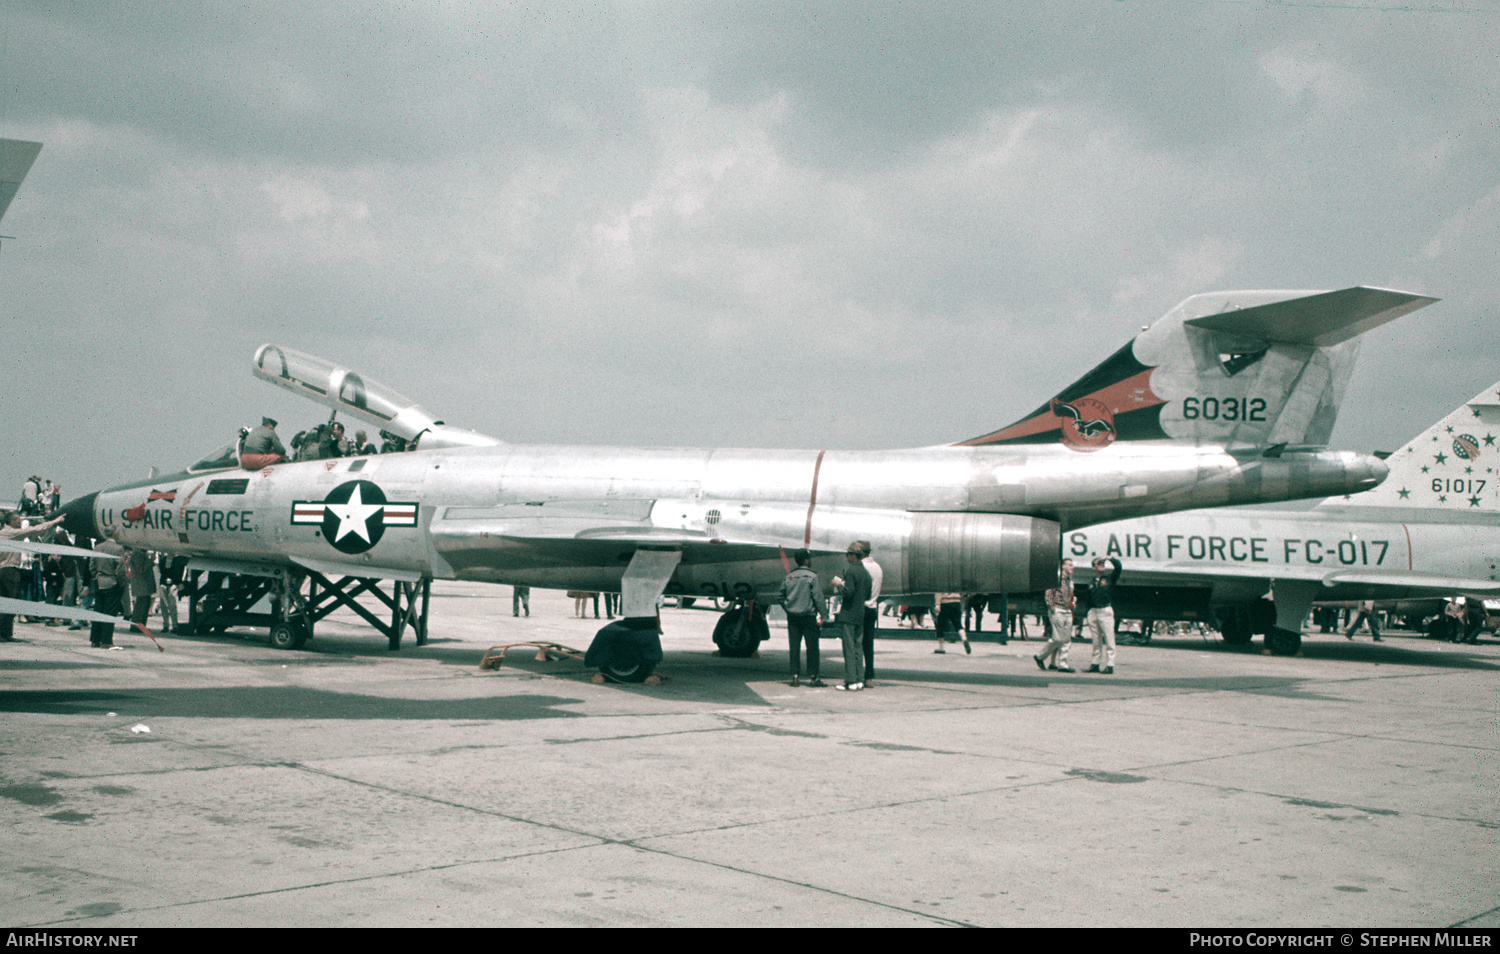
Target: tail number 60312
1224, 409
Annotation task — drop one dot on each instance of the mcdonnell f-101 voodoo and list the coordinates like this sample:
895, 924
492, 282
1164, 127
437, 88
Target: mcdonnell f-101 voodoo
1228, 398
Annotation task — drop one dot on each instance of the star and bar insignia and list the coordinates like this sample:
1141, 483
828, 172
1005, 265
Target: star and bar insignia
354, 515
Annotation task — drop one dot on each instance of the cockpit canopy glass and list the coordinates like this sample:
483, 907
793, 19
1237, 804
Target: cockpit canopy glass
295, 367
227, 456
307, 373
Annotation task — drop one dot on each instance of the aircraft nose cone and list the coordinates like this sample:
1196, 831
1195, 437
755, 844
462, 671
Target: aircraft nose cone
78, 516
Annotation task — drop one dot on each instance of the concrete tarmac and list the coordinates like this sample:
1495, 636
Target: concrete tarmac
345, 785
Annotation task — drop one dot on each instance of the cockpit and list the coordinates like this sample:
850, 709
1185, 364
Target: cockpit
225, 457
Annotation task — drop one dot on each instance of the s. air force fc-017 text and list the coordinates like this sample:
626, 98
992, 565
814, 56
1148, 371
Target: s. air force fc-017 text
1227, 399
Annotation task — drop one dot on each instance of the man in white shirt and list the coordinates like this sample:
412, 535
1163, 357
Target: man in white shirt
872, 606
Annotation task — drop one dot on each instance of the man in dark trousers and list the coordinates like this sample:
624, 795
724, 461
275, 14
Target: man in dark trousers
872, 607
1101, 616
802, 598
109, 577
854, 590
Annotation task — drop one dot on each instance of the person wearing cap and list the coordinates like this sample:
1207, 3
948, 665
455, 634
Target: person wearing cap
854, 590
262, 447
872, 607
802, 598
1101, 616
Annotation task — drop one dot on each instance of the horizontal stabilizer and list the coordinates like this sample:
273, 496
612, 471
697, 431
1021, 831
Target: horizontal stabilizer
1322, 320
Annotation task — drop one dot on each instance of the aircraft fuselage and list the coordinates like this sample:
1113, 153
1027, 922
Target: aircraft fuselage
971, 518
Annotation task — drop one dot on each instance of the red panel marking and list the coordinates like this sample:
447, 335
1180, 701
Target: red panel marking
813, 500
1131, 394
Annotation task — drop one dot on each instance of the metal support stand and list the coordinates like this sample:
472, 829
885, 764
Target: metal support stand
324, 596
225, 599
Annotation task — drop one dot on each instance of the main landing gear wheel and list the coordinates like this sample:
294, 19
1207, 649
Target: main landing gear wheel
288, 635
626, 650
621, 671
1236, 629
1283, 642
740, 631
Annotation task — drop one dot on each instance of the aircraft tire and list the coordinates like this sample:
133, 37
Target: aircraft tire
1283, 642
633, 673
1236, 630
288, 636
739, 632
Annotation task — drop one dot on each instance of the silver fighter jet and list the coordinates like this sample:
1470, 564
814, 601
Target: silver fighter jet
1432, 529
1226, 399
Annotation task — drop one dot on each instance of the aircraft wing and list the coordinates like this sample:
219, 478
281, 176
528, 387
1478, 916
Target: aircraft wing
587, 546
329, 568
53, 549
52, 611
1437, 583
1412, 580
594, 531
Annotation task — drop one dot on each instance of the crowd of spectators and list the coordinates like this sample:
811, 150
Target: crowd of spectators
65, 580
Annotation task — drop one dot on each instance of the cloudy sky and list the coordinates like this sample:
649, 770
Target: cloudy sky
746, 224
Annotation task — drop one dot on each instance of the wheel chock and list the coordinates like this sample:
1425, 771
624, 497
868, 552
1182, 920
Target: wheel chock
545, 652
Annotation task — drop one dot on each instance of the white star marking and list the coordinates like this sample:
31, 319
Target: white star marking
352, 516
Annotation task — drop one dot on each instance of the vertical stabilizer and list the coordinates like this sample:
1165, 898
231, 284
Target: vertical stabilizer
1454, 465
16, 157
1242, 369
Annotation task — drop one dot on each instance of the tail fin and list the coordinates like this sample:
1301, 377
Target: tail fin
1249, 369
1453, 465
16, 157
